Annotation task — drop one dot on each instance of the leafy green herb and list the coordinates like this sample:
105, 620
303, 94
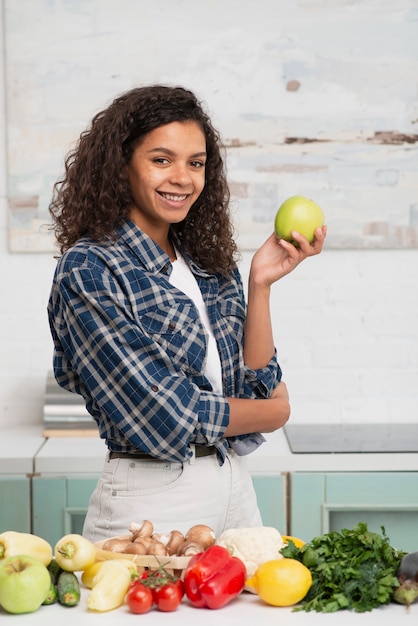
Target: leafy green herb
352, 569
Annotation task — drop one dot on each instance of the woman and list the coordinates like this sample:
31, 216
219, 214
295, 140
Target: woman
149, 321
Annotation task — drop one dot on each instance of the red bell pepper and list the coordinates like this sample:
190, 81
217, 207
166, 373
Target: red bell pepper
213, 578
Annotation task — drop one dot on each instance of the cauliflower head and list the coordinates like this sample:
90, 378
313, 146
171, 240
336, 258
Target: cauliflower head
253, 546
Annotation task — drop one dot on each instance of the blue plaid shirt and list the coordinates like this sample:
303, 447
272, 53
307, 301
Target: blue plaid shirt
134, 347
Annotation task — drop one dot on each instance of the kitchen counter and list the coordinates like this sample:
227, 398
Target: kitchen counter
247, 609
71, 455
26, 451
86, 455
275, 456
18, 448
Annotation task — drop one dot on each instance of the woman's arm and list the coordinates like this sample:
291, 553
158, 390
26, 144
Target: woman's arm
272, 261
266, 416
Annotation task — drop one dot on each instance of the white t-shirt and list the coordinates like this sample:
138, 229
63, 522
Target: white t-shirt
182, 278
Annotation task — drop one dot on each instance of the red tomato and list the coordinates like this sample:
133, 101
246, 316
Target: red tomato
168, 597
139, 598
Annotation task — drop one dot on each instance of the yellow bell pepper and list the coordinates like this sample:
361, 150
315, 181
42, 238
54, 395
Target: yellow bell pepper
74, 552
110, 585
13, 543
88, 575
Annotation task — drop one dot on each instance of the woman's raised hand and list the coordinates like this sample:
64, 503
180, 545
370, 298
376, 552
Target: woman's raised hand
277, 257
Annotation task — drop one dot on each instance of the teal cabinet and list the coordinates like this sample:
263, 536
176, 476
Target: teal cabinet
15, 504
303, 504
272, 500
322, 502
59, 505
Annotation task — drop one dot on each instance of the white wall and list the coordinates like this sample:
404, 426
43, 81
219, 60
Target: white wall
345, 325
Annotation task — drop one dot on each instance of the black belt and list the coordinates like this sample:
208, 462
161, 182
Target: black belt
142, 456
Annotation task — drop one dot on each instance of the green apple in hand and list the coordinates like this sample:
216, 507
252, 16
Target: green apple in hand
24, 584
299, 214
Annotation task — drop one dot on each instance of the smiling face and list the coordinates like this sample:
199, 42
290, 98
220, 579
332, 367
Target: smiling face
167, 175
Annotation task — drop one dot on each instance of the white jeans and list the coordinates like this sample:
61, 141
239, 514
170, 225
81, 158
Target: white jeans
172, 496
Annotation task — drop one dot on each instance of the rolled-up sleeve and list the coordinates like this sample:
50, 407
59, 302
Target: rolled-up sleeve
261, 382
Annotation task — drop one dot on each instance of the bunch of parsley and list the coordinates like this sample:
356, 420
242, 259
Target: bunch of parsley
352, 569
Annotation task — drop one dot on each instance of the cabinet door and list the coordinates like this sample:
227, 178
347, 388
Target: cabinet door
306, 498
272, 500
59, 505
79, 491
386, 499
326, 502
15, 504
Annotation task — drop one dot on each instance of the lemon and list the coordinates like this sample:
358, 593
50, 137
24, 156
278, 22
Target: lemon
281, 582
298, 542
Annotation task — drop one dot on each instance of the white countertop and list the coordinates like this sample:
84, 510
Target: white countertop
275, 456
18, 448
71, 455
244, 610
25, 450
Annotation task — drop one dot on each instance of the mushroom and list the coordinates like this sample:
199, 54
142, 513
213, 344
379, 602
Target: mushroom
190, 548
157, 548
145, 529
136, 547
144, 540
161, 537
116, 544
175, 540
200, 533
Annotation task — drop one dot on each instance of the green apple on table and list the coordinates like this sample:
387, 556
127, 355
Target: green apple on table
299, 214
24, 584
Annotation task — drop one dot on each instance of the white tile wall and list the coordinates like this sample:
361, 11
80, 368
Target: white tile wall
345, 324
347, 333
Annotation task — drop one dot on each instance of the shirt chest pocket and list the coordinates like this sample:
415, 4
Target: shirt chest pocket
179, 333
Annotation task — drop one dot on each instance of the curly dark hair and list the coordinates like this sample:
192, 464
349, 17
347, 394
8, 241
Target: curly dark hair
93, 197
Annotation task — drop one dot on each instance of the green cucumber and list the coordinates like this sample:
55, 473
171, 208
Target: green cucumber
52, 596
54, 571
68, 589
